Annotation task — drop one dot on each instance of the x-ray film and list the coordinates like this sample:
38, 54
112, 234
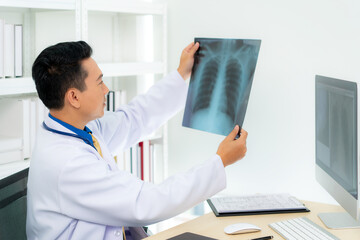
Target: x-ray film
220, 84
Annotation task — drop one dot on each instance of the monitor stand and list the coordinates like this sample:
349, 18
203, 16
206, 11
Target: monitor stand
338, 220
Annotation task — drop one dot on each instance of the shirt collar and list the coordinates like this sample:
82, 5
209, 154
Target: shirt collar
84, 134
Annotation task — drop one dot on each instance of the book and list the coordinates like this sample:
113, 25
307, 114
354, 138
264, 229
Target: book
152, 162
127, 160
9, 50
157, 161
26, 132
256, 204
12, 120
141, 158
114, 101
117, 99
110, 101
138, 161
120, 161
18, 50
32, 123
190, 236
146, 161
11, 156
10, 143
2, 38
132, 156
220, 84
134, 161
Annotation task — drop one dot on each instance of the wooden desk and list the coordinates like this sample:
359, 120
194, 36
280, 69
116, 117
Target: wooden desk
211, 226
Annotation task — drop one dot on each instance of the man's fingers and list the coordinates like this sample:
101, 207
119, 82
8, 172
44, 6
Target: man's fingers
243, 134
188, 48
233, 134
194, 48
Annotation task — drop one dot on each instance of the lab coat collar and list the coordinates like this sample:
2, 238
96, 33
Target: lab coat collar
62, 126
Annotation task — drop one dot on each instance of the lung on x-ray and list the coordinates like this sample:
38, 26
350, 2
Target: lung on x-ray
220, 84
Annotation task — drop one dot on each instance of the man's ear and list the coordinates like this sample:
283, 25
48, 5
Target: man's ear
72, 97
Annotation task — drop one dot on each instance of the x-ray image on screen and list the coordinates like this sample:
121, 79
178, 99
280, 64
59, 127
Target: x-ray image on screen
220, 84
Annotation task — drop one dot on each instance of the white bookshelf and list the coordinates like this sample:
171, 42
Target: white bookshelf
17, 86
113, 28
39, 4
124, 65
8, 169
131, 68
126, 6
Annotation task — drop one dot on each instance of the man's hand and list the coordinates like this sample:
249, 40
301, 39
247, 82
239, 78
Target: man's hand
231, 150
187, 60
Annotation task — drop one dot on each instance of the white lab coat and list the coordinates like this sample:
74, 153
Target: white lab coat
74, 193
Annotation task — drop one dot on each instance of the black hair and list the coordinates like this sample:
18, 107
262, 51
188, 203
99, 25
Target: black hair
58, 68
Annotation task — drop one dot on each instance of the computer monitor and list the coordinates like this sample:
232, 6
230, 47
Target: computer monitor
337, 167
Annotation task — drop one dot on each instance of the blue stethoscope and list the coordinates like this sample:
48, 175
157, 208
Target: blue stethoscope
71, 135
68, 134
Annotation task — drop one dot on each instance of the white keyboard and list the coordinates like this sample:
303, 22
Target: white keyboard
301, 229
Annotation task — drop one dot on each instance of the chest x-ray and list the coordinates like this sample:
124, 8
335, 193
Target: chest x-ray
220, 84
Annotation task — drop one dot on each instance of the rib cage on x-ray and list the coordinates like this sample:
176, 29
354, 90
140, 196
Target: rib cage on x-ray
220, 84
232, 86
207, 85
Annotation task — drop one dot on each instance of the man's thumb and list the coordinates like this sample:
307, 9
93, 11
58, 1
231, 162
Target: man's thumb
233, 133
194, 48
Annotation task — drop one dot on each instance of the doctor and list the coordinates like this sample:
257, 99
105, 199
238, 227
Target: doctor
75, 190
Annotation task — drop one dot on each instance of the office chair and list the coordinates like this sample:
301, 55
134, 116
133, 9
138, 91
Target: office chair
13, 206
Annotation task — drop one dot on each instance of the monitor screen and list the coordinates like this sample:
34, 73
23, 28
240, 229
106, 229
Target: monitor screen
336, 131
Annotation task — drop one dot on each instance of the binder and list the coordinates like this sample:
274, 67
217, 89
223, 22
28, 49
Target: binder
12, 134
2, 38
10, 143
146, 161
9, 50
152, 162
127, 160
18, 50
141, 157
11, 156
138, 161
110, 101
26, 132
32, 123
134, 161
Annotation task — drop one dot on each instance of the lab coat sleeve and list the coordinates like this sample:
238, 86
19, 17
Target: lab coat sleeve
144, 114
89, 191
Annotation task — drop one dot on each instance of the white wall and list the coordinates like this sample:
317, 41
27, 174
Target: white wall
299, 39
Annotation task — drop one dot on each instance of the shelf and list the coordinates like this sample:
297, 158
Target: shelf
131, 69
127, 6
10, 143
40, 4
14, 167
154, 139
121, 18
14, 86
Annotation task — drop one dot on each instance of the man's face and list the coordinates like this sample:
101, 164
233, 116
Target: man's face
93, 99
